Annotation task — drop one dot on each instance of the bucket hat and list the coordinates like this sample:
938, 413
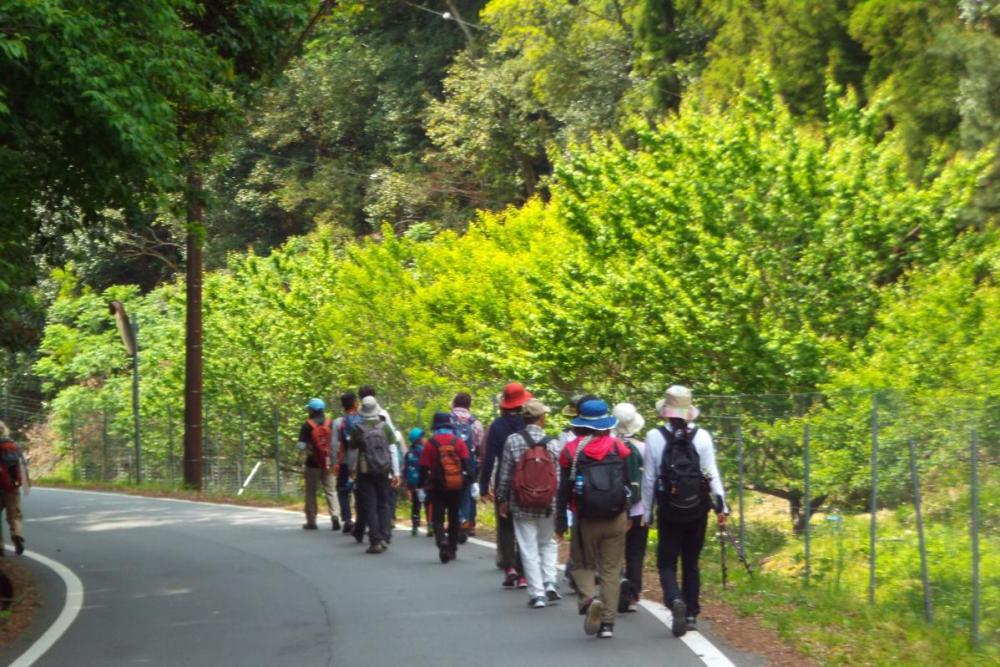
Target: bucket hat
535, 408
441, 420
316, 404
594, 415
415, 434
369, 406
630, 421
677, 404
514, 396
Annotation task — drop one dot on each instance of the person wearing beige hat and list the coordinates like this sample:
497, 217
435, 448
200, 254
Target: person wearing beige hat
630, 424
526, 488
682, 481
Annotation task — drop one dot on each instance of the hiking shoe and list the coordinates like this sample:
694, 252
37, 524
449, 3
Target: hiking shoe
18, 544
607, 631
430, 531
373, 549
510, 579
462, 537
537, 603
692, 623
552, 593
679, 625
522, 582
309, 526
592, 620
444, 555
348, 527
413, 531
633, 607
336, 524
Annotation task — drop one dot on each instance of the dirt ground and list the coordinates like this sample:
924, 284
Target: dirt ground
25, 601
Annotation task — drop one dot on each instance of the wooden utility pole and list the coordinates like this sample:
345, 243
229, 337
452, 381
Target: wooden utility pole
193, 340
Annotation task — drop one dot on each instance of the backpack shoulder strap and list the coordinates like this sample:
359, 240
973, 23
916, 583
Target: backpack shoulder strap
576, 456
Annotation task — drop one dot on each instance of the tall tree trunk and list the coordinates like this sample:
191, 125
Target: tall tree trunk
193, 347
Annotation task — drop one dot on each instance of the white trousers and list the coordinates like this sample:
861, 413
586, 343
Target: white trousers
539, 551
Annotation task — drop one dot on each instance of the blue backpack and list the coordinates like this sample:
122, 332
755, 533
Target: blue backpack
463, 430
413, 465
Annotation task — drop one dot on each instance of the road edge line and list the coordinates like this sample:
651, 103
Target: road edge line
71, 609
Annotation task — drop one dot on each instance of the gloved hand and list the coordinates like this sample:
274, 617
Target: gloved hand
475, 489
421, 495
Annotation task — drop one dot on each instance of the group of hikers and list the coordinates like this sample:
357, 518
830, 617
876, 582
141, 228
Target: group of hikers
599, 480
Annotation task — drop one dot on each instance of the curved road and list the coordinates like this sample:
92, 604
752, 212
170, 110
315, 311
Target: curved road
178, 583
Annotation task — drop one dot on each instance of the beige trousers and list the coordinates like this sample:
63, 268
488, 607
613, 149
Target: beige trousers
316, 477
12, 506
598, 550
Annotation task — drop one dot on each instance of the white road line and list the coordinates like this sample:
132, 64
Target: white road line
74, 601
697, 642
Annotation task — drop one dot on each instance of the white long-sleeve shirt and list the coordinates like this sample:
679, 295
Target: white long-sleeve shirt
656, 443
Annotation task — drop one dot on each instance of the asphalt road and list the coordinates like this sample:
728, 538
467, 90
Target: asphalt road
174, 583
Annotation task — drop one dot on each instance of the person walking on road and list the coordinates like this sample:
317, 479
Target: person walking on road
470, 430
444, 469
630, 423
317, 441
510, 421
343, 426
682, 480
411, 475
526, 488
13, 477
594, 484
374, 465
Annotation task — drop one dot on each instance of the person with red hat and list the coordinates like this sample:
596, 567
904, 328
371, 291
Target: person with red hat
509, 422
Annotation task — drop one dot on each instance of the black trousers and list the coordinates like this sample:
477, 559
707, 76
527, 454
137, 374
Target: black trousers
415, 506
446, 503
684, 541
635, 552
373, 496
343, 495
508, 555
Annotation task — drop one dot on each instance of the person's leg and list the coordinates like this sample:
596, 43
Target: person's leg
330, 492
506, 542
368, 495
343, 495
414, 509
526, 533
454, 501
635, 553
584, 554
611, 553
360, 512
548, 550
694, 542
312, 478
667, 552
438, 512
383, 520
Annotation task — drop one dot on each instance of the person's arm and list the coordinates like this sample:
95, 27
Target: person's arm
654, 446
562, 497
486, 470
305, 439
505, 471
426, 461
706, 452
633, 473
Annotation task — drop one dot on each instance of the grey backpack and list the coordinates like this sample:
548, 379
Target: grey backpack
376, 448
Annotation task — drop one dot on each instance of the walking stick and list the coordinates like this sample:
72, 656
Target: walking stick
722, 557
740, 552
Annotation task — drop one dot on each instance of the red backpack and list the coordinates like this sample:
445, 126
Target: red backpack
448, 476
322, 437
534, 482
10, 464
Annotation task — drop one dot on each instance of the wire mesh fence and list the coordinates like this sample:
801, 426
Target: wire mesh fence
889, 498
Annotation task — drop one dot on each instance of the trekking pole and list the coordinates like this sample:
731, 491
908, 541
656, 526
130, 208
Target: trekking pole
722, 557
740, 552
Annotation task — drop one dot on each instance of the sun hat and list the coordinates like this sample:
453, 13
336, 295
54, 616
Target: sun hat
415, 434
369, 406
572, 409
535, 408
676, 404
630, 421
594, 415
514, 396
316, 405
441, 420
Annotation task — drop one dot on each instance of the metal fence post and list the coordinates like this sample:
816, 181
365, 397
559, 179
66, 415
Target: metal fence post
928, 610
206, 453
277, 451
974, 529
135, 401
874, 501
72, 444
241, 463
739, 489
808, 501
170, 443
104, 444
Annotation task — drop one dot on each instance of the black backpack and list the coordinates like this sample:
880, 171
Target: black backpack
682, 490
603, 494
